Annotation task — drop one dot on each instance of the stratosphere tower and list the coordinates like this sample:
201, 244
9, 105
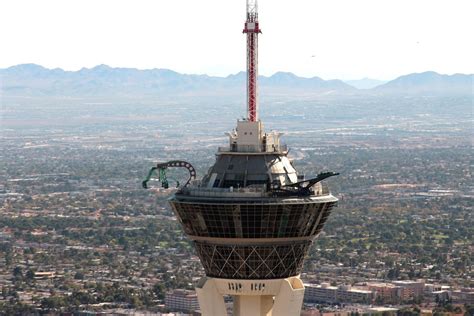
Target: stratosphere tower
252, 217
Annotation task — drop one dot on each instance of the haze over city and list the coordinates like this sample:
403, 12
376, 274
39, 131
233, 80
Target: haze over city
127, 188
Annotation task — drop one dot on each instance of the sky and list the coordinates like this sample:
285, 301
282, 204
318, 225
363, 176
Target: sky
343, 39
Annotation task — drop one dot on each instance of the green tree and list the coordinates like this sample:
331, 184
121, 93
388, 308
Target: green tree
79, 276
30, 275
18, 273
159, 290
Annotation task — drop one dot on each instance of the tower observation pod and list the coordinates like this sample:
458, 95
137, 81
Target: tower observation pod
252, 218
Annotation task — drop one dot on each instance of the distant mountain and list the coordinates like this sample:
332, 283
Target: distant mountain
429, 82
31, 79
288, 79
102, 80
365, 83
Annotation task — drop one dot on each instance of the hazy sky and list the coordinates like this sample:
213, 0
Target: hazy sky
346, 39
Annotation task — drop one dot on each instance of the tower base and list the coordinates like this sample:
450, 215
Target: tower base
277, 297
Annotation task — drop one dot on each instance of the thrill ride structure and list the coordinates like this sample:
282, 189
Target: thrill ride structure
252, 217
252, 30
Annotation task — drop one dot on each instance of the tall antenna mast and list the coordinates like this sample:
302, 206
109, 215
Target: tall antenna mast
252, 30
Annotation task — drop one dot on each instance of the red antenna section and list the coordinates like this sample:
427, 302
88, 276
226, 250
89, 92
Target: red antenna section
252, 30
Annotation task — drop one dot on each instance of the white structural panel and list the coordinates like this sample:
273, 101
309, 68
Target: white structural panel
277, 297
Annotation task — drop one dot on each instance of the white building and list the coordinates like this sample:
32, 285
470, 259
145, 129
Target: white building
325, 293
182, 300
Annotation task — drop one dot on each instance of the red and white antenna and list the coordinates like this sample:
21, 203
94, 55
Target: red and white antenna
252, 30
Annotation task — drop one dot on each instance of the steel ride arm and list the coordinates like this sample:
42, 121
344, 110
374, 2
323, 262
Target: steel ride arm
148, 177
313, 181
301, 188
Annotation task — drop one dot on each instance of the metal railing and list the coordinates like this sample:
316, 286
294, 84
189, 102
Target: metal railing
195, 189
253, 149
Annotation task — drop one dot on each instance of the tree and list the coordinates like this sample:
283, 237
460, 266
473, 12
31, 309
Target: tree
18, 272
408, 312
159, 290
30, 275
469, 310
53, 302
393, 273
79, 276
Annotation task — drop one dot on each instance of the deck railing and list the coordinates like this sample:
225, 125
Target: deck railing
195, 189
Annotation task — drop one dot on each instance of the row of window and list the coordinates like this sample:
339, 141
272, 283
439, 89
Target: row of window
252, 220
237, 287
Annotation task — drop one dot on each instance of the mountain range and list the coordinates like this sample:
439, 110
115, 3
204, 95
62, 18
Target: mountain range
102, 80
365, 83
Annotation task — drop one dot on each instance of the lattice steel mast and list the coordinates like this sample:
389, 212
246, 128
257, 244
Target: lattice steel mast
252, 30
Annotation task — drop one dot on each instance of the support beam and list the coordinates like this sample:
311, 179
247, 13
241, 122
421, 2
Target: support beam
210, 300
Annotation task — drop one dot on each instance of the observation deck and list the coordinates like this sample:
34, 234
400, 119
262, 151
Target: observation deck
248, 217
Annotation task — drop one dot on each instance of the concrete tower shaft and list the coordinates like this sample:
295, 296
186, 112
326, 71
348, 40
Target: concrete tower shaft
252, 30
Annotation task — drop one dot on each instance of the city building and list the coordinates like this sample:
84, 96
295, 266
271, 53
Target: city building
463, 296
436, 293
389, 311
386, 292
348, 294
44, 275
325, 293
181, 301
410, 290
